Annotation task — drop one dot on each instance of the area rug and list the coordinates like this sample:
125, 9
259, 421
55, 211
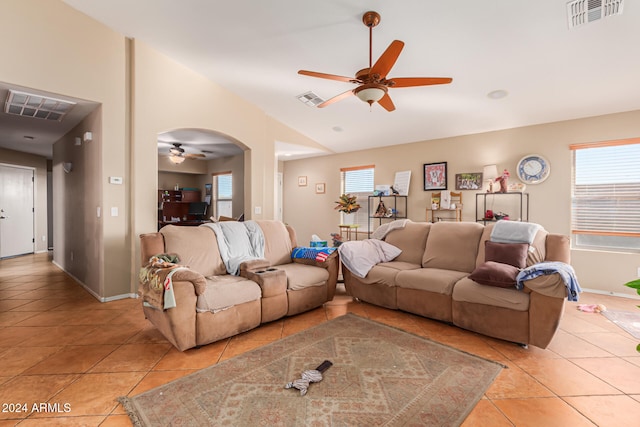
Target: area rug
381, 376
627, 320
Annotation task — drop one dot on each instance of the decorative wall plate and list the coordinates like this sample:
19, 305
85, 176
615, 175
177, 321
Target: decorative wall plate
533, 169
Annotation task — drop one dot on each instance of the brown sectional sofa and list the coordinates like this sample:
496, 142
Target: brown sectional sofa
430, 278
212, 305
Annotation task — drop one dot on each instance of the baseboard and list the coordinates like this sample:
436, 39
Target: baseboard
613, 294
91, 291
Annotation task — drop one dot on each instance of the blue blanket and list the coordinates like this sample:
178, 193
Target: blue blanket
552, 267
319, 254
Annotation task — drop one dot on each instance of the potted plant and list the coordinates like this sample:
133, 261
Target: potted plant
348, 205
635, 284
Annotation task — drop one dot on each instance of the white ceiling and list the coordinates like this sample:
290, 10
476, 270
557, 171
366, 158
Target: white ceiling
255, 48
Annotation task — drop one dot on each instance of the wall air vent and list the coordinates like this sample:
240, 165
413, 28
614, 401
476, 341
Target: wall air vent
40, 107
580, 12
310, 98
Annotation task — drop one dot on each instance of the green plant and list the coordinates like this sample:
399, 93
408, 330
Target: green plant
635, 284
347, 204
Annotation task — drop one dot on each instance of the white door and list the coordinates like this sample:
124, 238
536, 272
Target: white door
16, 211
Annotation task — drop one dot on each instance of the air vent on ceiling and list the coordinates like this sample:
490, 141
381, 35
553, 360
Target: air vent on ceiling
40, 107
580, 12
310, 98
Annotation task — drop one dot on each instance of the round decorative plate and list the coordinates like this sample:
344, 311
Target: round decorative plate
533, 169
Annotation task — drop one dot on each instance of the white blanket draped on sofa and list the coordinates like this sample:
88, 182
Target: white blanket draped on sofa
238, 242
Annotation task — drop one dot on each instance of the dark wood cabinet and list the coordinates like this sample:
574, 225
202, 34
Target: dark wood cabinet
173, 206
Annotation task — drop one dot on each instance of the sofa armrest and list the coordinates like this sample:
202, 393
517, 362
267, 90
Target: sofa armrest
550, 285
272, 281
196, 279
254, 264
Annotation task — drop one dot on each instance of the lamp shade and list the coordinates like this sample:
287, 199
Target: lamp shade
370, 92
490, 172
176, 159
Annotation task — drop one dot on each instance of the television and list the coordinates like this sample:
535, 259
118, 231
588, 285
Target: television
198, 209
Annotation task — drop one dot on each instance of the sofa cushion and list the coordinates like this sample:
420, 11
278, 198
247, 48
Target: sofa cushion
226, 291
452, 246
301, 276
197, 248
411, 239
495, 274
514, 254
466, 290
277, 242
429, 279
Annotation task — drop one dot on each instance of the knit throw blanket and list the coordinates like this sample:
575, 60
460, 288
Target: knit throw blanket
156, 281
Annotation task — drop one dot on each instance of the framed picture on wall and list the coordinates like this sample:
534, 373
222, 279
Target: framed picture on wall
469, 181
302, 181
320, 188
435, 176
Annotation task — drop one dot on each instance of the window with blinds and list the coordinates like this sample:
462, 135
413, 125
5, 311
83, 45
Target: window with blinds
358, 181
223, 194
605, 208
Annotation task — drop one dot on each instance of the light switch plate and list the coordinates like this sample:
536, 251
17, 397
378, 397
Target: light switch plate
114, 211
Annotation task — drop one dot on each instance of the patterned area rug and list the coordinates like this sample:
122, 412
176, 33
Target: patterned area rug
627, 320
381, 376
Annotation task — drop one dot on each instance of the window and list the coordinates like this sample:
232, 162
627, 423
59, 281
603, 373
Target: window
605, 208
358, 181
223, 194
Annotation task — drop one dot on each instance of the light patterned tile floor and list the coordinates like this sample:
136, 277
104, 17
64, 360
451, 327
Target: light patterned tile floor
59, 345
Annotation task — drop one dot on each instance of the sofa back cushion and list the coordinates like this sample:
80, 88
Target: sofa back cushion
411, 239
277, 242
197, 248
453, 246
537, 250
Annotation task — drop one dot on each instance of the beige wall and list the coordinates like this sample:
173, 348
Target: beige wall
67, 53
39, 163
312, 213
77, 228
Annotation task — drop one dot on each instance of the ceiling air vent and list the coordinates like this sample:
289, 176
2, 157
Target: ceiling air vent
580, 12
310, 98
40, 107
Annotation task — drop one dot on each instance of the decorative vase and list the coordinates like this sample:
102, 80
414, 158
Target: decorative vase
348, 218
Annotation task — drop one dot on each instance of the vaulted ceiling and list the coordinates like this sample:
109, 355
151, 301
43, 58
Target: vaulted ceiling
548, 71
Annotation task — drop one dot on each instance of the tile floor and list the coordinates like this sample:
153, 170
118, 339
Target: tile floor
58, 345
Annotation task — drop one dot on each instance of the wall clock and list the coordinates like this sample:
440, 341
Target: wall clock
533, 169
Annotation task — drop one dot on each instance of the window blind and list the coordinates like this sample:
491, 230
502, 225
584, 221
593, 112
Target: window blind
358, 181
606, 194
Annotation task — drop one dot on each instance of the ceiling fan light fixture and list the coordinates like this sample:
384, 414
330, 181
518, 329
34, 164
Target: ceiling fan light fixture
176, 160
370, 93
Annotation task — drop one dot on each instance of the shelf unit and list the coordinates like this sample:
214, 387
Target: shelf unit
399, 212
175, 204
523, 205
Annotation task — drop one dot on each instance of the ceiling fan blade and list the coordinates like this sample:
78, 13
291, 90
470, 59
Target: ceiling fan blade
328, 76
387, 103
419, 81
336, 98
386, 61
194, 156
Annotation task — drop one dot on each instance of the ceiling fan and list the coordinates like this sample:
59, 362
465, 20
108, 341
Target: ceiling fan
372, 82
177, 154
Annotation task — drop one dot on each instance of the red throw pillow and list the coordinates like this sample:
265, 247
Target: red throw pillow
495, 274
514, 254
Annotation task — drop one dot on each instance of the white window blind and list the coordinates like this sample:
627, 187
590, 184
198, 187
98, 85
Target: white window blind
606, 195
223, 194
358, 181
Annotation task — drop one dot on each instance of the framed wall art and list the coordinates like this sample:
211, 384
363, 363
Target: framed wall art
302, 181
435, 176
469, 181
320, 188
